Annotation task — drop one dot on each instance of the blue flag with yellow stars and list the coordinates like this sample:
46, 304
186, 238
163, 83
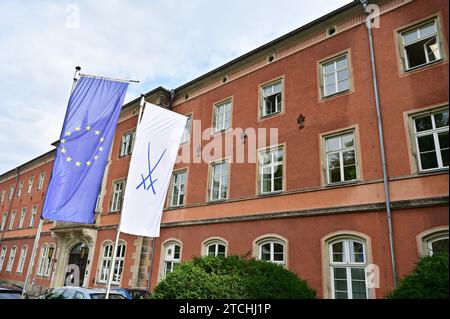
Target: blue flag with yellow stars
83, 149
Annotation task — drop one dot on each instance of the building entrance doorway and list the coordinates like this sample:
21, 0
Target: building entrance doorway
76, 265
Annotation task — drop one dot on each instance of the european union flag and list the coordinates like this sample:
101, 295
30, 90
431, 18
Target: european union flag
83, 149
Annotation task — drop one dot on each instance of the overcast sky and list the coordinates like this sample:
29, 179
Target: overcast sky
158, 42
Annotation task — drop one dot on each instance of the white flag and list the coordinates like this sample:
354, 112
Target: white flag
157, 141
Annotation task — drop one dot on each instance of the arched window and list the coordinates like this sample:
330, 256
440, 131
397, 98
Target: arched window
2, 257
42, 258
434, 240
23, 255
105, 263
172, 256
273, 250
215, 248
348, 261
12, 255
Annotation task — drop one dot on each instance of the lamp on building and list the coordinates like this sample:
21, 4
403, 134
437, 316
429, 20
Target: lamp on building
83, 251
50, 252
301, 121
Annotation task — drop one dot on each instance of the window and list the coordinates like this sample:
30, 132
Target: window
215, 248
341, 158
19, 190
12, 255
11, 192
33, 216
178, 189
2, 257
431, 139
97, 202
126, 145
4, 217
348, 269
3, 196
437, 243
23, 255
271, 170
187, 130
272, 250
222, 116
41, 181
219, 181
421, 45
11, 220
30, 184
22, 217
335, 76
271, 98
106, 263
117, 194
45, 260
172, 257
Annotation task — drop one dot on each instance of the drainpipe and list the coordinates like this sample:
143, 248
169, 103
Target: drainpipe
382, 149
8, 213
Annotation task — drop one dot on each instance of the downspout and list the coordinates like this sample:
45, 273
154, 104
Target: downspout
8, 213
382, 149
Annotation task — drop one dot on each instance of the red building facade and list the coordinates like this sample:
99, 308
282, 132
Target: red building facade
313, 201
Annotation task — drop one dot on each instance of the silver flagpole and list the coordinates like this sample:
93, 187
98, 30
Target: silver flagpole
107, 78
41, 220
116, 243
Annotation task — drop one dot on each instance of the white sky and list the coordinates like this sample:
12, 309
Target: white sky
158, 42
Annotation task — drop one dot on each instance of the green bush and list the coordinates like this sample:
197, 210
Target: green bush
429, 280
231, 278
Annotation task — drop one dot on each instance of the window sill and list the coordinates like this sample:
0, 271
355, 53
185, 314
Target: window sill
265, 117
423, 66
433, 171
326, 97
341, 184
270, 194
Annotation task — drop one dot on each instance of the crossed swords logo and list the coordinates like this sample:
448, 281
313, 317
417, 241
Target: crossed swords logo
149, 178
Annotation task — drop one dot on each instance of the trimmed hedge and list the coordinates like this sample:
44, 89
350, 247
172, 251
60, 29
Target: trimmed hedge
429, 280
231, 278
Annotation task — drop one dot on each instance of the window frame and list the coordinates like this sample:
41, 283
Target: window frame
23, 213
172, 187
3, 253
11, 259
333, 59
214, 241
4, 221
106, 261
20, 188
116, 205
41, 180
164, 260
186, 137
32, 215
12, 220
216, 106
271, 239
211, 182
132, 134
261, 166
30, 184
261, 105
22, 259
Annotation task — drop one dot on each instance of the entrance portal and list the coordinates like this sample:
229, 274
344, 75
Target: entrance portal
78, 257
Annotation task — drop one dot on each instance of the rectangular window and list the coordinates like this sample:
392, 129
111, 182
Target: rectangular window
178, 189
11, 220
271, 98
12, 255
41, 181
30, 184
22, 217
187, 130
4, 217
335, 76
431, 138
117, 194
23, 255
341, 158
222, 116
271, 170
19, 189
421, 45
33, 216
126, 145
2, 257
219, 181
3, 196
11, 192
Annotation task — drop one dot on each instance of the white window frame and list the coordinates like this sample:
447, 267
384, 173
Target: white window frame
12, 256
23, 213
33, 215
12, 219
186, 137
347, 264
41, 181
271, 242
433, 131
335, 72
11, 192
23, 256
341, 151
178, 202
170, 258
30, 184
278, 99
219, 177
432, 239
19, 189
3, 252
4, 219
3, 196
215, 243
105, 263
222, 110
126, 143
420, 38
117, 195
273, 165
45, 260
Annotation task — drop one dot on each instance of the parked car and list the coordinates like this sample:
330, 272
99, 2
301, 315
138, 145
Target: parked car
10, 292
132, 293
81, 293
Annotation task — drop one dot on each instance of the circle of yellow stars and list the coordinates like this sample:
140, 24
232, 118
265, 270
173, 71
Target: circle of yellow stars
69, 159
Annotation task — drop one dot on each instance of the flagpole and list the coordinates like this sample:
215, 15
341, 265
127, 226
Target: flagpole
41, 220
107, 78
152, 256
116, 243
